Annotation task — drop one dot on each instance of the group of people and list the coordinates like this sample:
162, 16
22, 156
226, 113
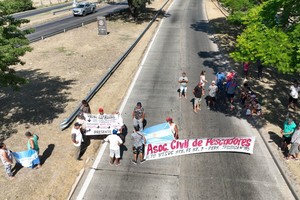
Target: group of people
222, 82
249, 101
7, 158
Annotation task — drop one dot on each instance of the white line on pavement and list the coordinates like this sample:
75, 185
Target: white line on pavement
101, 152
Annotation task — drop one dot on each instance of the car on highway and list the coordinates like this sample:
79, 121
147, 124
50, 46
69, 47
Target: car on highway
84, 8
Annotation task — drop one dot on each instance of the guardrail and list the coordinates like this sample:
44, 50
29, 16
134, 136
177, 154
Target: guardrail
66, 123
72, 27
63, 10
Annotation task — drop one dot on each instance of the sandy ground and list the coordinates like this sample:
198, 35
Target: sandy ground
61, 71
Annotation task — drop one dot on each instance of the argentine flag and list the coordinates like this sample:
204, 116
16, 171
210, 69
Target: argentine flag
28, 158
160, 133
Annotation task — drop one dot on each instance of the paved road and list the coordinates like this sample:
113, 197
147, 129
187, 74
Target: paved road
183, 44
30, 13
50, 28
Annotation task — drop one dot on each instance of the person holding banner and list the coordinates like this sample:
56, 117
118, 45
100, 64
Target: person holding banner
101, 111
138, 116
77, 140
114, 147
7, 159
174, 127
32, 143
138, 142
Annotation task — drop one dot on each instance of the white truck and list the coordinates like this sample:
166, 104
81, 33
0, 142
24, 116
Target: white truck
84, 8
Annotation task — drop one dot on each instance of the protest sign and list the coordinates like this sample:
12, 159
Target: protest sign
97, 124
28, 158
203, 145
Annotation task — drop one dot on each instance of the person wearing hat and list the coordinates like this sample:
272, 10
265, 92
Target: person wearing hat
212, 92
173, 127
183, 81
77, 140
138, 116
101, 111
287, 132
114, 147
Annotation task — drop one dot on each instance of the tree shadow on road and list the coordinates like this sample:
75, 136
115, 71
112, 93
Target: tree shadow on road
272, 91
38, 102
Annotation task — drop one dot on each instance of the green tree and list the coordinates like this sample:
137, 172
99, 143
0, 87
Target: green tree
137, 6
14, 6
272, 35
13, 44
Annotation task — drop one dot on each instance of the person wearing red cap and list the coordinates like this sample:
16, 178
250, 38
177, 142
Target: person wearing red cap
174, 127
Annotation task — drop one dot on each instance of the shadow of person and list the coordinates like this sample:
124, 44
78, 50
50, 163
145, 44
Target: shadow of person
122, 149
193, 102
47, 153
16, 168
278, 141
84, 145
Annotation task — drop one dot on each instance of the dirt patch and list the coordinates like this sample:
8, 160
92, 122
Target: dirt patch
61, 71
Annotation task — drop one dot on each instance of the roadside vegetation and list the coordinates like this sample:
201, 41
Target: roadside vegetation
269, 31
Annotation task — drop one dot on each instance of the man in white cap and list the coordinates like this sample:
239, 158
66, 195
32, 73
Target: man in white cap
212, 92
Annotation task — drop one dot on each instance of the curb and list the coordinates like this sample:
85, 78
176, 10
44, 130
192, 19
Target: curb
282, 168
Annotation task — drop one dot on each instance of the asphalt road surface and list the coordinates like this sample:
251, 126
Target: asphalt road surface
183, 43
50, 28
39, 11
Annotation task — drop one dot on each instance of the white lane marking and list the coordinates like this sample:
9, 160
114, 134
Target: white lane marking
101, 152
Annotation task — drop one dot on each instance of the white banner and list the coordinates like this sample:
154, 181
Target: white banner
102, 124
203, 145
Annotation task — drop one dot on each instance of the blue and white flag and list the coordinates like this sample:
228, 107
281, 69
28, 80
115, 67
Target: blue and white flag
28, 158
160, 133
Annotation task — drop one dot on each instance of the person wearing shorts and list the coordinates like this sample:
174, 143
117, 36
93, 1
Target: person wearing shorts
230, 89
212, 92
114, 148
294, 151
183, 80
294, 94
287, 132
138, 141
198, 92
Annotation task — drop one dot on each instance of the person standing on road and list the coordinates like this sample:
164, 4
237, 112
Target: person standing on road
294, 151
32, 143
202, 78
230, 89
220, 79
198, 92
212, 92
174, 127
114, 147
138, 142
138, 116
183, 80
286, 133
77, 140
7, 159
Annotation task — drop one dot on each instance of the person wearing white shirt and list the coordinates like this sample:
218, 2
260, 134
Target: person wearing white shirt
114, 147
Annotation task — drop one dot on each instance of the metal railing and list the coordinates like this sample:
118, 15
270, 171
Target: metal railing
66, 123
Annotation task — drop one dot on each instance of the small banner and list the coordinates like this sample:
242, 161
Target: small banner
28, 158
189, 146
97, 124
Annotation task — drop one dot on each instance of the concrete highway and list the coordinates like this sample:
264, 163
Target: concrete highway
50, 28
183, 43
39, 11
